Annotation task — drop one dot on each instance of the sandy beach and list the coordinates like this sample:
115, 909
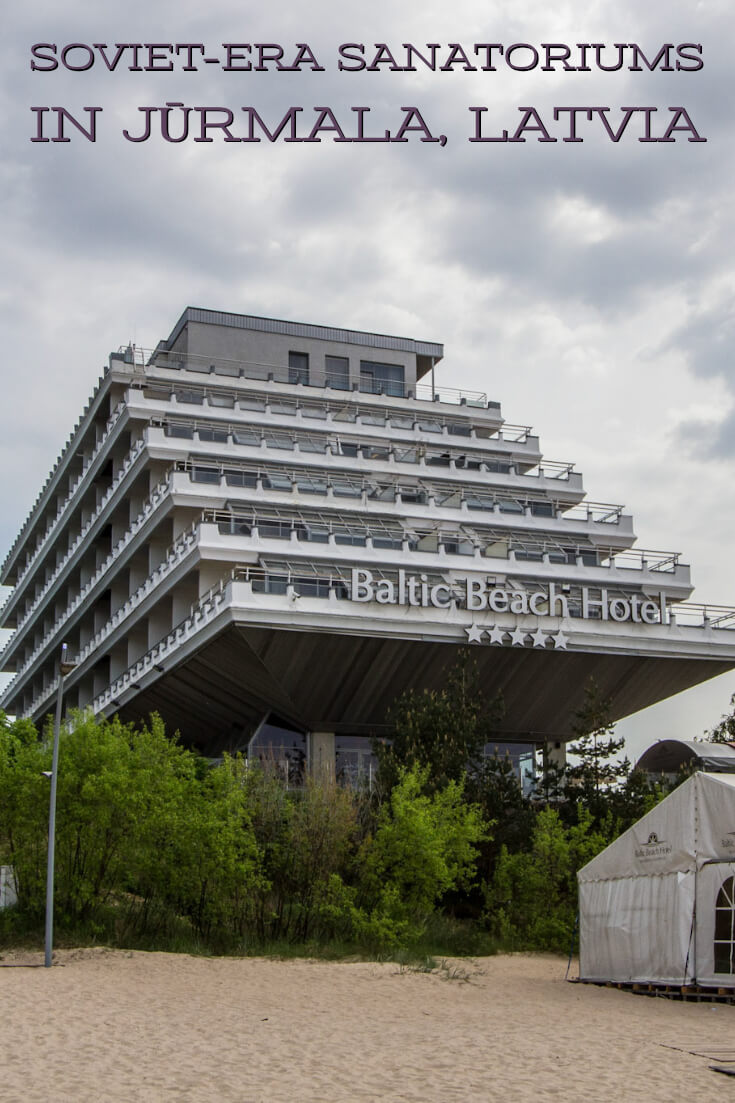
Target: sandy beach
114, 1025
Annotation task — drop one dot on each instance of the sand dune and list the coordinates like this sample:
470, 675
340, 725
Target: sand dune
110, 1025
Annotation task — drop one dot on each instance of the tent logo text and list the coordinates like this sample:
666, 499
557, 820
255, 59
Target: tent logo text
652, 848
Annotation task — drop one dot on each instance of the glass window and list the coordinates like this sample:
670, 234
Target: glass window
311, 587
352, 539
369, 417
275, 481
343, 447
298, 367
356, 764
337, 370
210, 433
174, 429
375, 452
478, 501
279, 748
278, 530
274, 439
520, 756
250, 403
412, 494
183, 395
311, 484
226, 400
312, 444
282, 406
205, 475
246, 436
241, 478
725, 928
346, 488
315, 534
379, 378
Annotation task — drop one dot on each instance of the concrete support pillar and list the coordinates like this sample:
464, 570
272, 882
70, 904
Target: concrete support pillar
137, 497
156, 470
138, 569
86, 631
137, 641
184, 596
85, 692
119, 590
209, 575
118, 525
101, 677
555, 754
118, 660
102, 611
182, 520
322, 754
158, 545
159, 621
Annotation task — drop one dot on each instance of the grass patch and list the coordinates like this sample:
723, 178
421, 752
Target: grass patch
442, 938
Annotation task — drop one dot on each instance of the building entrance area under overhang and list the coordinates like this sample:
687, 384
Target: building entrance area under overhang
346, 683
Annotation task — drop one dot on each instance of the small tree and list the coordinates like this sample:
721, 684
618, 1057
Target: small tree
496, 789
724, 732
441, 731
532, 897
598, 772
425, 846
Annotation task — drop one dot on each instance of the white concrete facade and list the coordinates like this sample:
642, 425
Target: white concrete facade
255, 504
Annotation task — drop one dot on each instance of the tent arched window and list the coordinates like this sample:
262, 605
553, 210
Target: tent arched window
725, 928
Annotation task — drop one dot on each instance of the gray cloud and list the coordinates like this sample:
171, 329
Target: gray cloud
580, 284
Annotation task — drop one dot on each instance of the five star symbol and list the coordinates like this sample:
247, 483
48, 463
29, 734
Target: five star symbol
495, 634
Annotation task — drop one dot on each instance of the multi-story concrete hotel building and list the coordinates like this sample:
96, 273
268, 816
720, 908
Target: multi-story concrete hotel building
267, 526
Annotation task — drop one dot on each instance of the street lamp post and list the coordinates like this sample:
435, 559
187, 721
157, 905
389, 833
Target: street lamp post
64, 669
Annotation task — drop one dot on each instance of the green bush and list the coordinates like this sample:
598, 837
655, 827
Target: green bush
532, 897
425, 845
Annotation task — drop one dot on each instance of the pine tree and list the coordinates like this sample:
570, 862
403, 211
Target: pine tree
443, 730
724, 732
598, 773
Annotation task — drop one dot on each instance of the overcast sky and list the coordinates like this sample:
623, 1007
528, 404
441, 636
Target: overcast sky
586, 286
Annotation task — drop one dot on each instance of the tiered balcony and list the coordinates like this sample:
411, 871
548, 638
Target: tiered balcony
86, 533
158, 360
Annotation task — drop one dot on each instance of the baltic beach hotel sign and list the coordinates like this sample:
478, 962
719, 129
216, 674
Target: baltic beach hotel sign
478, 594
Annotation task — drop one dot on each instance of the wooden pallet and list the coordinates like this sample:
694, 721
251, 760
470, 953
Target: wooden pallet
691, 992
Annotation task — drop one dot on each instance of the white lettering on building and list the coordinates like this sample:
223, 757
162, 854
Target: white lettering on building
477, 594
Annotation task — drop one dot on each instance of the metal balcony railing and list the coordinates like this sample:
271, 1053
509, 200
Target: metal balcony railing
319, 378
44, 540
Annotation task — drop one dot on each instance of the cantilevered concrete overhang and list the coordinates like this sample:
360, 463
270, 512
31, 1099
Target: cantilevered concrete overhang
347, 683
323, 665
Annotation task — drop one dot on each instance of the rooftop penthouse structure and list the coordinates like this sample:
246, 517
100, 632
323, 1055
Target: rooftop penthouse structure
264, 522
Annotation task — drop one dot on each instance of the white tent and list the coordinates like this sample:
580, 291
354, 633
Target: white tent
659, 903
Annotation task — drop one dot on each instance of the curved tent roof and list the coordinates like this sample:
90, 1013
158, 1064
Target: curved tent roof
668, 755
